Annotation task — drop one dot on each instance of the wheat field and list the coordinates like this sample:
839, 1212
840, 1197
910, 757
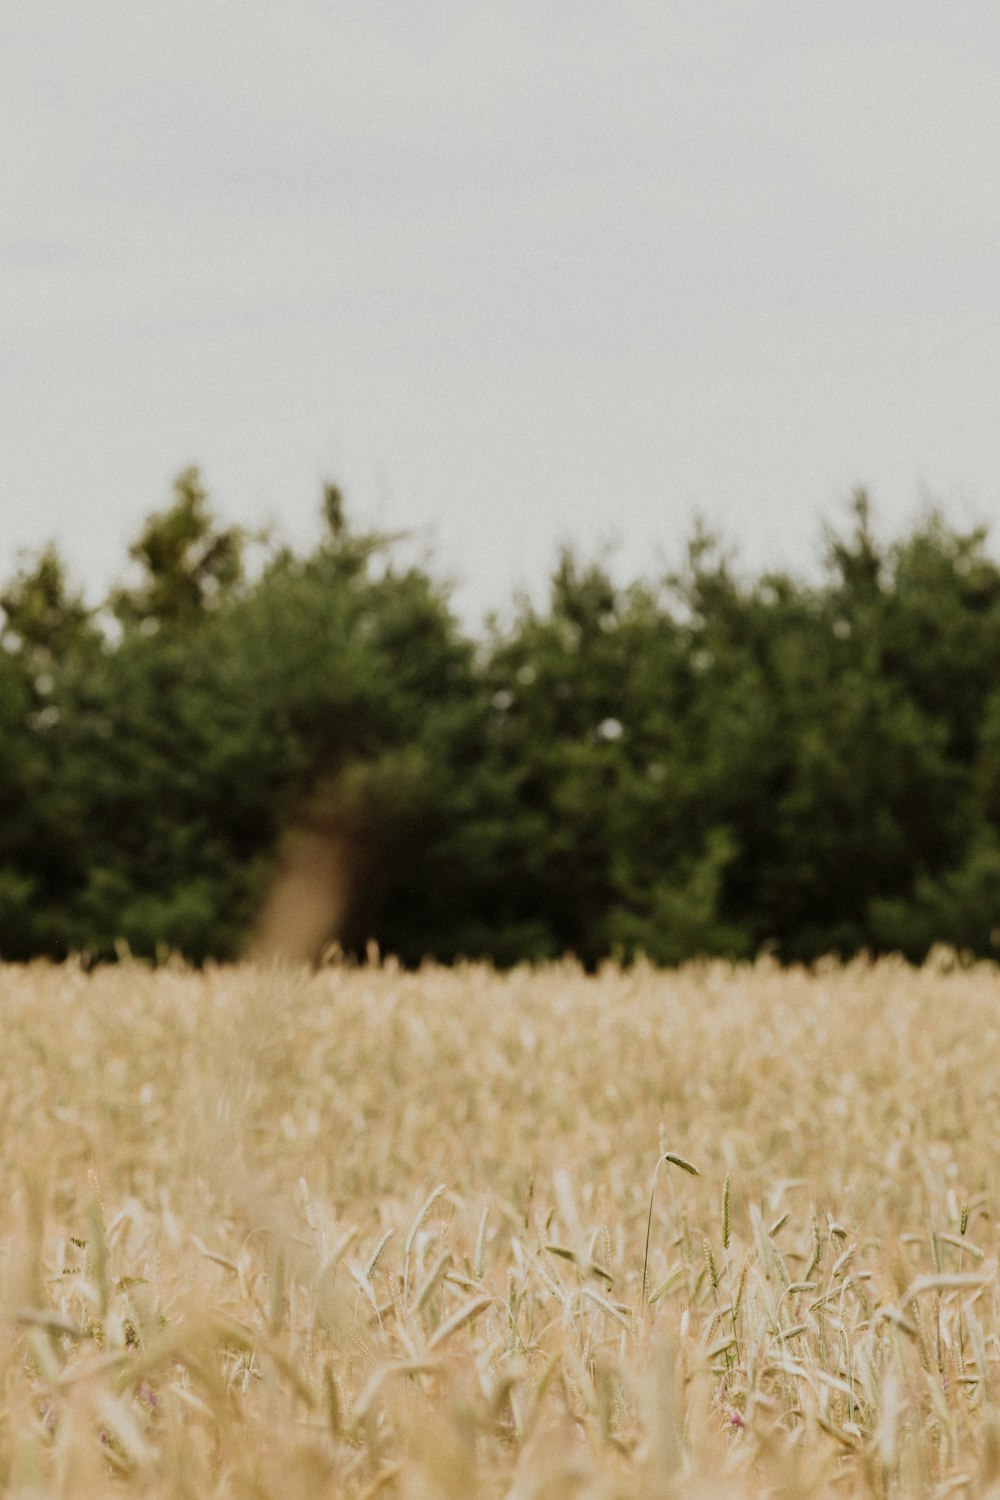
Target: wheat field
362, 1233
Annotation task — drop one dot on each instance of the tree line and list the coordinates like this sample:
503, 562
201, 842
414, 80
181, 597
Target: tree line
702, 763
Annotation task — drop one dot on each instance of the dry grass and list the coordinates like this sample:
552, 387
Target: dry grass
366, 1233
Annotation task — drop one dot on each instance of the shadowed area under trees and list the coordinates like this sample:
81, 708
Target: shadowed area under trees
698, 764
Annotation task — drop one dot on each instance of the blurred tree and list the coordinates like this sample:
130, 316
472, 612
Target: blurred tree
18, 811
47, 632
44, 618
188, 563
855, 562
190, 747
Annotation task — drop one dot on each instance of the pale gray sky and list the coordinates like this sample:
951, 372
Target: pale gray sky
512, 273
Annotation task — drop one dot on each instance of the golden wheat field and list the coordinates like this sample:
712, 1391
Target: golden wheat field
267, 1233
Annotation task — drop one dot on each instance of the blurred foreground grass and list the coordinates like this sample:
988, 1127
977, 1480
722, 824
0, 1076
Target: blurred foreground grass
265, 1233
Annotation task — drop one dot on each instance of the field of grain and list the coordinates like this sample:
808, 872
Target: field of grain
364, 1233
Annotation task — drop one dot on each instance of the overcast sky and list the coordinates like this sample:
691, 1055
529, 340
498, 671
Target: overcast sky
512, 273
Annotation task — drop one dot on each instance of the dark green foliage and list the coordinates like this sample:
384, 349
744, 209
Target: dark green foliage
703, 764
